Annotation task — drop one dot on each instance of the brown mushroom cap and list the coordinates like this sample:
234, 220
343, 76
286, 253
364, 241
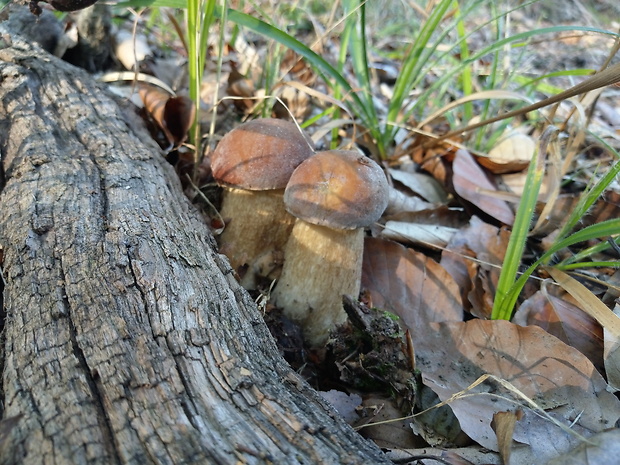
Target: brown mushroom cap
337, 188
260, 154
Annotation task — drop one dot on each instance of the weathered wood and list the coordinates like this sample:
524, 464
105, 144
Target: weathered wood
126, 338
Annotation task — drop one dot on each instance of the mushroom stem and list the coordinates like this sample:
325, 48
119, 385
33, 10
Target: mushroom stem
259, 215
321, 265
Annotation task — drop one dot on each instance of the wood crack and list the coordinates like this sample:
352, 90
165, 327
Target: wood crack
92, 379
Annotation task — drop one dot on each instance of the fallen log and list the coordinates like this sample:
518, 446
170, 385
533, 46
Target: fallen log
125, 337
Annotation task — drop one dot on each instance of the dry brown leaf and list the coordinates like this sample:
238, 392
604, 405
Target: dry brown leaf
294, 103
421, 184
610, 322
477, 279
561, 317
503, 424
511, 154
431, 160
409, 284
174, 115
239, 86
558, 378
471, 183
298, 69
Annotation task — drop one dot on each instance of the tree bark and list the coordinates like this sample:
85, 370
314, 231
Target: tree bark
126, 339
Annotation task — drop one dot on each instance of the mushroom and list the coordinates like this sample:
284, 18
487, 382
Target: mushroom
253, 163
334, 195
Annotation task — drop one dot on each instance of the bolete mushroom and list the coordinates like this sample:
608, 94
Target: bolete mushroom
253, 163
334, 195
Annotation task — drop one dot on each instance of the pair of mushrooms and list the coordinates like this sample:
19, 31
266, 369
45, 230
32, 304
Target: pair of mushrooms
282, 198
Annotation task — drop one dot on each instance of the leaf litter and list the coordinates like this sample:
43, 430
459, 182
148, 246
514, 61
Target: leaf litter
530, 392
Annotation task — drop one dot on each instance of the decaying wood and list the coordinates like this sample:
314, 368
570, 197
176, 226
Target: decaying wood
126, 338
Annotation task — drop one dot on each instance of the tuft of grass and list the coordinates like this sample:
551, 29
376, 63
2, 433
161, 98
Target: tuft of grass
509, 286
429, 50
200, 15
503, 304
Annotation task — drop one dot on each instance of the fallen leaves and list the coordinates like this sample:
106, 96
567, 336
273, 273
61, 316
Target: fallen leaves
409, 284
517, 390
472, 184
173, 114
511, 154
473, 258
602, 448
561, 317
557, 378
599, 311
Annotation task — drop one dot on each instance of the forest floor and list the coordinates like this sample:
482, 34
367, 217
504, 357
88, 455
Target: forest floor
421, 367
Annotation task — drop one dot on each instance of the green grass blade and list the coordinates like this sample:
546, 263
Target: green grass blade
493, 80
415, 61
179, 4
521, 227
200, 16
518, 39
359, 55
588, 198
466, 77
596, 231
526, 82
319, 63
587, 252
356, 26
579, 265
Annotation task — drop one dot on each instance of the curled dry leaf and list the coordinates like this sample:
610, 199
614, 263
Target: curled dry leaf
298, 69
421, 184
431, 160
504, 426
417, 233
239, 86
471, 183
558, 378
296, 102
399, 202
477, 278
512, 153
409, 284
174, 115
